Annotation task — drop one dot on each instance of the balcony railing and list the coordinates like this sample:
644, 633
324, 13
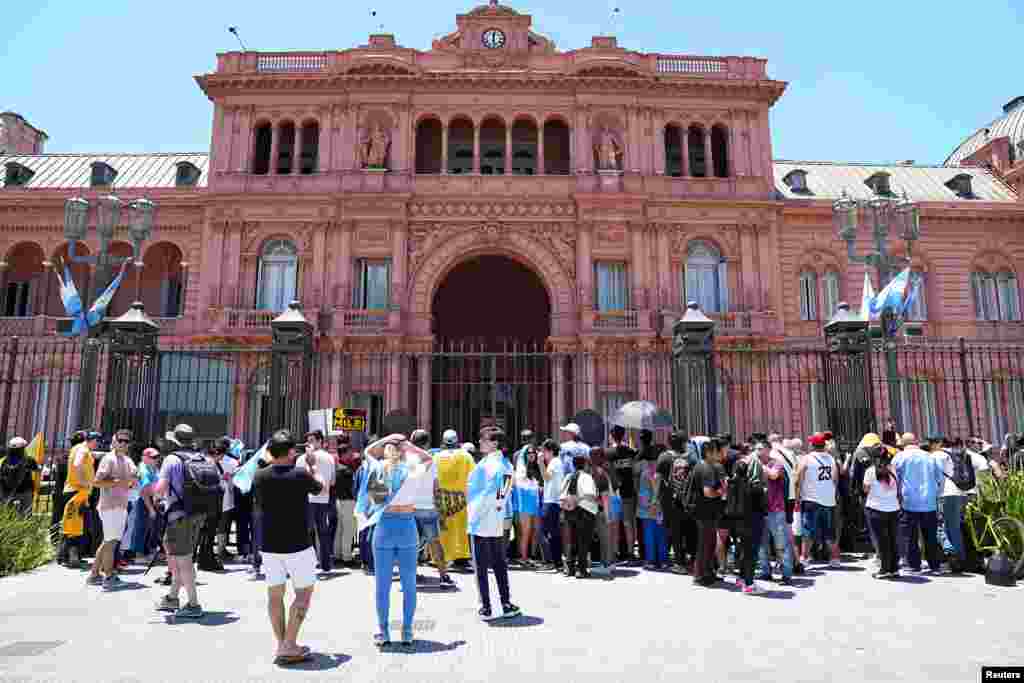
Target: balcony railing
366, 319
296, 62
617, 320
691, 65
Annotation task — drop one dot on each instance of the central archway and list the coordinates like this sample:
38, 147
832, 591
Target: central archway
491, 318
493, 301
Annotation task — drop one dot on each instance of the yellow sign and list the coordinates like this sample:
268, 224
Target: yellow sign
349, 420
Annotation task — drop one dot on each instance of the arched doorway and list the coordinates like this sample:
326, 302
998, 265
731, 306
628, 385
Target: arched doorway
491, 317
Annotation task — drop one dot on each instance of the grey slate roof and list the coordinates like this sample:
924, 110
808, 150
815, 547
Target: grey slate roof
1010, 124
828, 180
153, 171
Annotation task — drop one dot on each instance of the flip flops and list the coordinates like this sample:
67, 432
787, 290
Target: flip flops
288, 660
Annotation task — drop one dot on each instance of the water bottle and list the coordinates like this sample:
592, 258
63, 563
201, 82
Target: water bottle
731, 561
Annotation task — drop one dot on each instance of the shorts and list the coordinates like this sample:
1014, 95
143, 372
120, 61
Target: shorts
816, 522
300, 566
529, 501
629, 512
182, 535
428, 525
615, 509
114, 521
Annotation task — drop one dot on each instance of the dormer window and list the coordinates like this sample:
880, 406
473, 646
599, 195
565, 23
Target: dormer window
879, 184
102, 174
17, 175
961, 186
187, 175
797, 181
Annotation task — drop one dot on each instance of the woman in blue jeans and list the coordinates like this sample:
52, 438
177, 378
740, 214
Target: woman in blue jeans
387, 499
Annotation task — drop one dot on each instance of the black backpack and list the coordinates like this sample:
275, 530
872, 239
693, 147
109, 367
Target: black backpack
690, 492
202, 494
963, 470
737, 502
12, 475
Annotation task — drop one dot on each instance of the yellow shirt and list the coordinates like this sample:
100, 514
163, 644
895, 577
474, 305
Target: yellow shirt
453, 468
88, 469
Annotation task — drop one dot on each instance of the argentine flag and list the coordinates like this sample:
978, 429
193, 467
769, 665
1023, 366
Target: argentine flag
367, 512
245, 474
489, 478
915, 291
99, 307
72, 301
891, 297
866, 298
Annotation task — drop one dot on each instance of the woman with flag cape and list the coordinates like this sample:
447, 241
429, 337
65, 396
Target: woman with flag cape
397, 471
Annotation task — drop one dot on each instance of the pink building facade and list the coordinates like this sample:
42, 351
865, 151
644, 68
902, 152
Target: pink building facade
499, 189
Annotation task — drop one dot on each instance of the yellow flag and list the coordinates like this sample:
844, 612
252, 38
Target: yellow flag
37, 451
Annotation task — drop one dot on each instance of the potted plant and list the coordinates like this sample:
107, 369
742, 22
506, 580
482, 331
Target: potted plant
995, 520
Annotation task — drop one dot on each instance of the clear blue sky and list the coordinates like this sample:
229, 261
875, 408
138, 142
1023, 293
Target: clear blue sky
868, 81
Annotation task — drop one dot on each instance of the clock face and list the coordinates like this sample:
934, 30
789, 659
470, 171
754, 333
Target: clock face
493, 38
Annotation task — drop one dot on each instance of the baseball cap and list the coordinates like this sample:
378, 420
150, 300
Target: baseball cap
183, 435
151, 453
469, 447
93, 436
282, 437
450, 437
572, 428
817, 439
17, 442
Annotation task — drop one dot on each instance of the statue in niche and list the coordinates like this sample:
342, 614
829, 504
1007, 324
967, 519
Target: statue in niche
609, 152
373, 148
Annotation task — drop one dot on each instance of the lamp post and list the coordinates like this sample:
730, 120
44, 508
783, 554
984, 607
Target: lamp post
693, 372
76, 225
883, 214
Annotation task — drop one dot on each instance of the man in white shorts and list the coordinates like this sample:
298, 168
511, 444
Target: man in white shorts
115, 477
282, 492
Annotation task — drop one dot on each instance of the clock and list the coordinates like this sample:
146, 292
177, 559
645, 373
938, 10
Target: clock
493, 38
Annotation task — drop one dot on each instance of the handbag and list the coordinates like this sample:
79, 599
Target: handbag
568, 499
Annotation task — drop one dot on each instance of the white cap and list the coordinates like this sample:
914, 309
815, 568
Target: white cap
572, 428
450, 437
469, 447
17, 442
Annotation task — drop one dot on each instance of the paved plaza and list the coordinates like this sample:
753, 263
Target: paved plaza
835, 624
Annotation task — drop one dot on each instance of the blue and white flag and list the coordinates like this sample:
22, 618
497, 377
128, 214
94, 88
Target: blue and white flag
72, 302
244, 476
366, 511
236, 449
866, 298
490, 483
695, 449
915, 291
99, 307
892, 295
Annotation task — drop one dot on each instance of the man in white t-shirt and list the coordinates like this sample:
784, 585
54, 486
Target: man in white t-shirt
553, 472
428, 521
816, 478
115, 477
488, 491
228, 466
322, 512
953, 499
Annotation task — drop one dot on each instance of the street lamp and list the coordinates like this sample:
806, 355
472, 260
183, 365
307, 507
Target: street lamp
693, 372
883, 213
76, 225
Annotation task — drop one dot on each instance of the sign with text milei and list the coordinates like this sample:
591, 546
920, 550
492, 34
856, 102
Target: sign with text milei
349, 420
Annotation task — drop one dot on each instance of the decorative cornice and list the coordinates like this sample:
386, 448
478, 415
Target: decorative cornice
470, 210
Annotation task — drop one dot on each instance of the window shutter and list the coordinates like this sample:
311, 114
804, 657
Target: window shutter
990, 297
929, 406
1009, 302
723, 286
831, 293
808, 296
357, 290
1015, 399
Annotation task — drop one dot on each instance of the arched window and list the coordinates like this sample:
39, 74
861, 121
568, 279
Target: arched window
673, 151
996, 297
24, 282
285, 147
720, 150
278, 275
556, 148
460, 146
310, 147
698, 167
524, 147
705, 278
262, 140
808, 295
917, 308
163, 281
831, 293
429, 139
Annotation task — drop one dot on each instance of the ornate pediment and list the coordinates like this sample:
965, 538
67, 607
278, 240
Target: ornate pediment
623, 70
493, 9
382, 65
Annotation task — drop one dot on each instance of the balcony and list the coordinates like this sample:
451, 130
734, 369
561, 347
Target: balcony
731, 324
32, 326
629, 320
351, 180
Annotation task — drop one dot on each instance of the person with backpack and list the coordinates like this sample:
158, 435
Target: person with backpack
673, 468
578, 501
746, 503
960, 479
776, 530
16, 486
190, 485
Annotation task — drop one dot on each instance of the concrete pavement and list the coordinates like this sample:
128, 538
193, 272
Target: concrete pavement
835, 625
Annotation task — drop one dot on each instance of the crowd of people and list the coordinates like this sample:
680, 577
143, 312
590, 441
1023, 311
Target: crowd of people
703, 505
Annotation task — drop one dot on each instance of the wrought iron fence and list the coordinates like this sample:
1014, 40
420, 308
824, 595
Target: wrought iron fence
929, 386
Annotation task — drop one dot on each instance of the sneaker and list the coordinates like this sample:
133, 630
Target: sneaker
835, 564
112, 583
94, 580
798, 569
485, 614
880, 575
765, 577
189, 612
753, 589
508, 610
168, 604
739, 584
786, 581
447, 582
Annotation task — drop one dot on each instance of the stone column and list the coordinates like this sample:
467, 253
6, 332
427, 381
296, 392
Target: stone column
398, 249
248, 133
275, 144
685, 146
664, 269
444, 148
541, 170
423, 405
638, 266
709, 159
748, 276
297, 150
476, 148
344, 265
508, 150
393, 390
730, 152
584, 263
328, 129
589, 392
316, 298
645, 392
557, 391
